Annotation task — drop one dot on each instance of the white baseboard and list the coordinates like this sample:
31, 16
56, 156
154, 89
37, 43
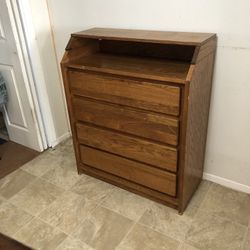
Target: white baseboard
227, 183
60, 139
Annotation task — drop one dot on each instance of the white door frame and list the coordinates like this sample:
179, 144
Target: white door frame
35, 75
23, 55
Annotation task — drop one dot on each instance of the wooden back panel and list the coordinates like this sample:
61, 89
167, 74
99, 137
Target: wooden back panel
170, 51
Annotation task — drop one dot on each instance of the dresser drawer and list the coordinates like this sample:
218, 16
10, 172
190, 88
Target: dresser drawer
152, 126
141, 150
140, 94
133, 171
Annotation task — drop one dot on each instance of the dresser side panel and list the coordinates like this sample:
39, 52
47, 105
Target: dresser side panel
74, 49
198, 103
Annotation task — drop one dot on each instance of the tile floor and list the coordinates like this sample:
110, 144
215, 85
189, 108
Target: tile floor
47, 205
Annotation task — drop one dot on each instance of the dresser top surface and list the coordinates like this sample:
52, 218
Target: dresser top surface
165, 37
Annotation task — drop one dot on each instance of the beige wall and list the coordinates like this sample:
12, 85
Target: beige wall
228, 146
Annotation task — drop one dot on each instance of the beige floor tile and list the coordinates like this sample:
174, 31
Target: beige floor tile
40, 235
67, 212
1, 200
92, 188
200, 193
63, 148
64, 176
36, 196
197, 198
73, 244
144, 238
247, 241
212, 232
126, 203
228, 203
167, 221
14, 182
103, 229
43, 163
12, 218
68, 161
185, 246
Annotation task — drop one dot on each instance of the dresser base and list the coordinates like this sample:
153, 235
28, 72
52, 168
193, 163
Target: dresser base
130, 186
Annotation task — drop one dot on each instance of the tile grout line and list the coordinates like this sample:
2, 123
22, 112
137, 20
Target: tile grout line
130, 230
228, 220
157, 231
98, 206
244, 240
125, 216
35, 216
64, 191
8, 201
203, 200
80, 224
70, 235
224, 218
32, 181
171, 211
72, 238
219, 216
180, 245
198, 208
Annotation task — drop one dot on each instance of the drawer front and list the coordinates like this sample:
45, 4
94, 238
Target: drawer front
144, 95
133, 171
152, 153
155, 127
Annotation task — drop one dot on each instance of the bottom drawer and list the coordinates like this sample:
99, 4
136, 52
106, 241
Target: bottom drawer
142, 174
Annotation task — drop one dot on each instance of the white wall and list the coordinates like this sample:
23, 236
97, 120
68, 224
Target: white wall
228, 146
58, 128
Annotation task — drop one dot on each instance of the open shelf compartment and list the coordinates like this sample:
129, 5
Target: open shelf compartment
162, 62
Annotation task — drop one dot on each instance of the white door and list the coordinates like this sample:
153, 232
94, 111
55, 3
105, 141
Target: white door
20, 115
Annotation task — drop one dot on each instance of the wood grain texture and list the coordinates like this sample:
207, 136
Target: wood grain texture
203, 51
133, 171
140, 94
181, 53
141, 150
135, 122
154, 69
132, 94
130, 186
75, 48
198, 102
164, 37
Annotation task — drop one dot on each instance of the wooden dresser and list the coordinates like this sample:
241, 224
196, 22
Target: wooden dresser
138, 103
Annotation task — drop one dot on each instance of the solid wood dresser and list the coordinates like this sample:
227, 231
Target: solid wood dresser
138, 103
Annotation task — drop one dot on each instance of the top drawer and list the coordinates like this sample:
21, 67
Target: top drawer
140, 94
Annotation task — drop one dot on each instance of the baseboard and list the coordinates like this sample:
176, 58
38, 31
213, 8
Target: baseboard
227, 183
60, 139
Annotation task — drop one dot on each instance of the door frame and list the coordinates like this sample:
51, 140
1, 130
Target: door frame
26, 69
26, 40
